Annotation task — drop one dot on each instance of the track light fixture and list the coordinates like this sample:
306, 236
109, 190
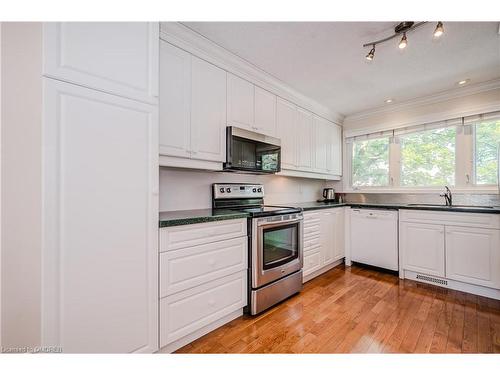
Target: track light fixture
439, 30
371, 54
402, 28
404, 42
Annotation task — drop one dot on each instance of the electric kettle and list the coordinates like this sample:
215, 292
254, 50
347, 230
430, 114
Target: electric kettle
329, 194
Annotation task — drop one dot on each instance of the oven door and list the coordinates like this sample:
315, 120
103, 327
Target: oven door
276, 249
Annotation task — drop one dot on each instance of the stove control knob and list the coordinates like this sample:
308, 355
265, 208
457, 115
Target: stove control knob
221, 190
228, 190
254, 190
259, 190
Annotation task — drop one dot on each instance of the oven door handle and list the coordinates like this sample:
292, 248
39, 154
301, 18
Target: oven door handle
272, 224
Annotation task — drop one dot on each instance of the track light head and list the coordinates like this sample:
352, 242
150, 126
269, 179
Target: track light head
439, 30
371, 54
404, 42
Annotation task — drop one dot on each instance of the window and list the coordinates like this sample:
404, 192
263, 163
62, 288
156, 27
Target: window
486, 143
462, 152
428, 158
370, 162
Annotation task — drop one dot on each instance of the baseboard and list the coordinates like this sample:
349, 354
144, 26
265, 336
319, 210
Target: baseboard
455, 285
172, 347
316, 273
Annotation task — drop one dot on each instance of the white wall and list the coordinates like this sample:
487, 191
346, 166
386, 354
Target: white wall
420, 111
21, 183
189, 189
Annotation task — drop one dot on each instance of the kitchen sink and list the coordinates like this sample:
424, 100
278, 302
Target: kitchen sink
452, 206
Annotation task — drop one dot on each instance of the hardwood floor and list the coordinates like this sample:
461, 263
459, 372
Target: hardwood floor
359, 310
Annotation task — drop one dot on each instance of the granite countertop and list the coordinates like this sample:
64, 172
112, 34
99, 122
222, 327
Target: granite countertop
173, 218
307, 206
184, 217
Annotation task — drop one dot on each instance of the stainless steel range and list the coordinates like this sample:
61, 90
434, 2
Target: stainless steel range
275, 242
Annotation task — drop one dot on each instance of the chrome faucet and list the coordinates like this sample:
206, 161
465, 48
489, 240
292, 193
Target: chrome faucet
447, 196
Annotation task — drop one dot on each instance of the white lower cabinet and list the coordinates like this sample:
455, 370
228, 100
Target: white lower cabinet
423, 246
462, 249
203, 279
186, 312
323, 240
473, 255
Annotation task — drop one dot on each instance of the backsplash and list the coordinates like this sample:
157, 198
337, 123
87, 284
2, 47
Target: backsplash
190, 189
427, 198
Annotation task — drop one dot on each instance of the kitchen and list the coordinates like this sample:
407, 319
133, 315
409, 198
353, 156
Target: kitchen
197, 194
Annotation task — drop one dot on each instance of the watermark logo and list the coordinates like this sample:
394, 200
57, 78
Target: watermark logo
31, 349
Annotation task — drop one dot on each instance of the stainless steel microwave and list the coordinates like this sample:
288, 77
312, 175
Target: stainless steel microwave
251, 152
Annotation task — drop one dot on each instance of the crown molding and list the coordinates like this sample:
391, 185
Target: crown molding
189, 40
442, 96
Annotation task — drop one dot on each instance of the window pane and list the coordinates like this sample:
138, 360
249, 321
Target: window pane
370, 162
428, 158
487, 140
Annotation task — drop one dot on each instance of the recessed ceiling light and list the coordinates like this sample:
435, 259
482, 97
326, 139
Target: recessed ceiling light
463, 82
388, 101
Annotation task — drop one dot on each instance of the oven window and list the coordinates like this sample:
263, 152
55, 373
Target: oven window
280, 245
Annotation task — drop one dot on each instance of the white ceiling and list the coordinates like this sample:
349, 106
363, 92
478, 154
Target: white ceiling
326, 60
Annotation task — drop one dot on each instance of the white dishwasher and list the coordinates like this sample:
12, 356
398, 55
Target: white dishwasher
374, 237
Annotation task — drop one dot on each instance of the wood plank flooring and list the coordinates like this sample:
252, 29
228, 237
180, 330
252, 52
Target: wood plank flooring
360, 310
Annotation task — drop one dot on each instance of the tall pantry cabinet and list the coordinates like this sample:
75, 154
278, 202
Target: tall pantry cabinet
99, 185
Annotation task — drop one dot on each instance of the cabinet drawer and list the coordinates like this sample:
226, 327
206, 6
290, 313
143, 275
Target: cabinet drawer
185, 312
311, 243
312, 262
186, 268
466, 219
315, 229
182, 236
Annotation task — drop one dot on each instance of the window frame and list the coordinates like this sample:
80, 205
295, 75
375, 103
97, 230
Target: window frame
474, 154
465, 159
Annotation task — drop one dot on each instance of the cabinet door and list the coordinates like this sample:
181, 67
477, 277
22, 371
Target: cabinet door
265, 112
100, 257
473, 255
321, 144
286, 123
423, 248
328, 233
305, 140
240, 103
334, 162
115, 57
208, 111
339, 246
175, 98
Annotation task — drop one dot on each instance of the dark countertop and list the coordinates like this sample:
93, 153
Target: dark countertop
307, 206
173, 218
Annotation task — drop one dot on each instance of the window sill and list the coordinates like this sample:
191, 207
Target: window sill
399, 190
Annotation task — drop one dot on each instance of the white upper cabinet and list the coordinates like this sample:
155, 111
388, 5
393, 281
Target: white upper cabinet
322, 138
334, 161
422, 247
305, 134
265, 112
250, 107
100, 263
240, 103
473, 255
175, 101
192, 109
286, 128
208, 111
116, 57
